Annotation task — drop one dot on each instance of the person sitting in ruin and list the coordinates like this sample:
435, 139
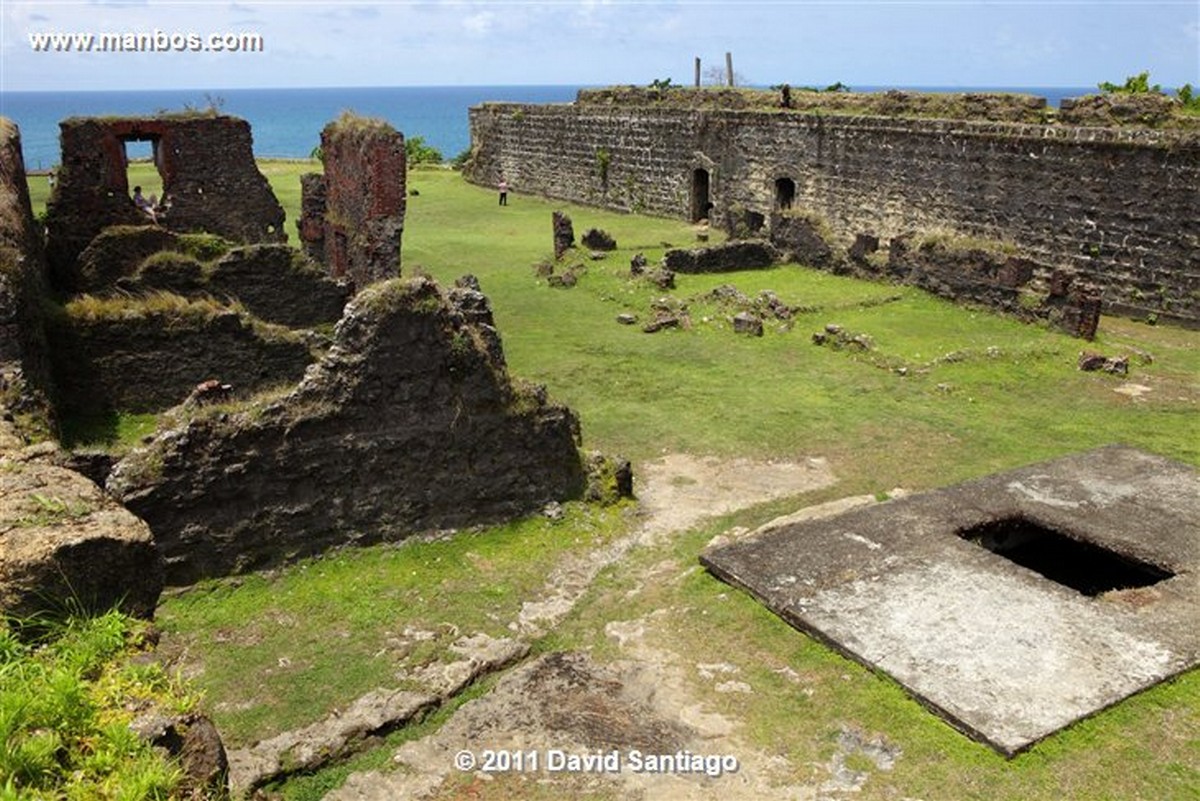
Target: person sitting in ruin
144, 205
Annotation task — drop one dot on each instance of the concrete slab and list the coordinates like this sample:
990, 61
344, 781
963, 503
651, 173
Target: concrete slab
1005, 654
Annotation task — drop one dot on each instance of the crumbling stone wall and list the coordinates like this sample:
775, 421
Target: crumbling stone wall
1000, 280
25, 376
747, 255
148, 355
1118, 207
210, 183
352, 217
274, 282
410, 422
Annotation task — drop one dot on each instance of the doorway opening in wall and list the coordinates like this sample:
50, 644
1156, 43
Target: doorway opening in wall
701, 202
141, 170
785, 193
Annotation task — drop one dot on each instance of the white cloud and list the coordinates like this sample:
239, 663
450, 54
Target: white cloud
479, 24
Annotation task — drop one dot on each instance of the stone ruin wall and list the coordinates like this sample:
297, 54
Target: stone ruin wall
352, 216
410, 422
210, 183
1121, 207
24, 353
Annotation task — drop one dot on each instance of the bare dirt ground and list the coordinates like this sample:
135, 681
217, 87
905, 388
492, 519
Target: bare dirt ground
645, 703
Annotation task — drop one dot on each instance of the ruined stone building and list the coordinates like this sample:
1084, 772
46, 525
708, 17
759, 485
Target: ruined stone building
1115, 207
296, 416
210, 183
352, 215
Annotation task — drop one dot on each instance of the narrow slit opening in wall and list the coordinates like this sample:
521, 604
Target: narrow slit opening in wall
1083, 566
142, 169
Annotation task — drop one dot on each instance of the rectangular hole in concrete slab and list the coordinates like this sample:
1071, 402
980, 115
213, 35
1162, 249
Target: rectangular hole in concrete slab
1083, 566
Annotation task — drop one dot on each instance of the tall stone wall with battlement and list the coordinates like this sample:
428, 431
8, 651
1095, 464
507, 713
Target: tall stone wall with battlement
1119, 207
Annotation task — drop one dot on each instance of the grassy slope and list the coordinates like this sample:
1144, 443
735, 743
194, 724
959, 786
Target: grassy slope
707, 391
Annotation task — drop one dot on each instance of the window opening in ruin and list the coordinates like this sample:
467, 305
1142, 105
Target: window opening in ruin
701, 202
785, 192
755, 222
1083, 566
141, 167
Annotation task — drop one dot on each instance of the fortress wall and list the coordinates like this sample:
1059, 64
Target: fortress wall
1121, 207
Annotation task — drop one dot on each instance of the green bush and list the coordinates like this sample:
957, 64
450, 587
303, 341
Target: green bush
417, 152
1134, 85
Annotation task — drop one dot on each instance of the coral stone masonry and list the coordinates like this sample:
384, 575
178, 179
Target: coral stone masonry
409, 422
1117, 206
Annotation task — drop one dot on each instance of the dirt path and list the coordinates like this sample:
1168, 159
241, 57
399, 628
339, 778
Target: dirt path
634, 710
675, 493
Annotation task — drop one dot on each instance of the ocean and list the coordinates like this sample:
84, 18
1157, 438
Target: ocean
287, 123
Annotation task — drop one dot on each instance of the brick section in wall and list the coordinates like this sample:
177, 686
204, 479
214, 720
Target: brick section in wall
352, 217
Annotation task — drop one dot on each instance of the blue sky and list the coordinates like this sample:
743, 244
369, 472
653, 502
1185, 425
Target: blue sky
398, 43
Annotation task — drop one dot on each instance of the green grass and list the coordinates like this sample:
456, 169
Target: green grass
66, 702
979, 393
265, 640
112, 431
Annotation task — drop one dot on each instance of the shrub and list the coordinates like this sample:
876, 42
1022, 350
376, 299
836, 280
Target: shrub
417, 152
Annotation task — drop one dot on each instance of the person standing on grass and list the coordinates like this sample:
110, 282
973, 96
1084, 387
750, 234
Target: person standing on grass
503, 187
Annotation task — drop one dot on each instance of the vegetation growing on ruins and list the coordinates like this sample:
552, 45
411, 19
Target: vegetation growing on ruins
1140, 85
66, 704
841, 99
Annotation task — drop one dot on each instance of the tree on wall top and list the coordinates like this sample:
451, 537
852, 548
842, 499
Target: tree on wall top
1140, 84
1134, 85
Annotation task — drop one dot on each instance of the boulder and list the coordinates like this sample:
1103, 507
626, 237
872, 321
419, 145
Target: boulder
66, 547
747, 323
597, 239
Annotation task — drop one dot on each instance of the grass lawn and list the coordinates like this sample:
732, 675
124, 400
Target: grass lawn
945, 394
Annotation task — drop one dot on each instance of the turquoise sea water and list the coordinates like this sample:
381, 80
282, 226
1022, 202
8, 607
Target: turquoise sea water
288, 122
